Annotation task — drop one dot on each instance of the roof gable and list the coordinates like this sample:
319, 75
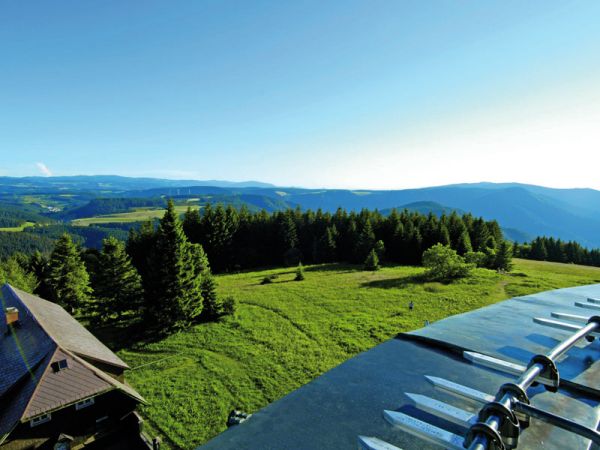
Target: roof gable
56, 389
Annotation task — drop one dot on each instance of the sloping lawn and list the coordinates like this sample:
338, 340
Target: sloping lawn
287, 333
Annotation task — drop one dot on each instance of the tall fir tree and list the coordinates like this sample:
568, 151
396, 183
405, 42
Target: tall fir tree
67, 276
175, 300
117, 284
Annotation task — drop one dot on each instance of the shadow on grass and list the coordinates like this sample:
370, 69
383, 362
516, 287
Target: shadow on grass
396, 283
334, 267
127, 334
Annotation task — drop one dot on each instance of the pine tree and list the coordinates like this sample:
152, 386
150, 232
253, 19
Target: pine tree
372, 261
117, 284
299, 273
175, 299
67, 276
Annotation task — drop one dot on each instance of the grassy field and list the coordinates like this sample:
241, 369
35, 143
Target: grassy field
19, 228
139, 214
287, 333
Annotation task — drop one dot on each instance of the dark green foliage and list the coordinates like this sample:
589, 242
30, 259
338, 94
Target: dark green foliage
173, 297
380, 249
212, 306
444, 263
551, 249
39, 267
68, 277
242, 239
479, 259
117, 284
24, 242
365, 242
504, 255
299, 273
229, 306
15, 216
13, 272
372, 261
91, 236
538, 250
463, 244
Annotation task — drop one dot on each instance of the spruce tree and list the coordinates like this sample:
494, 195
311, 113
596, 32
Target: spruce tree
372, 261
212, 306
67, 276
463, 246
365, 242
175, 300
118, 285
504, 257
38, 265
299, 273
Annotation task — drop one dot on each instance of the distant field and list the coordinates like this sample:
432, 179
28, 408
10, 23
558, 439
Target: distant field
19, 228
287, 333
139, 214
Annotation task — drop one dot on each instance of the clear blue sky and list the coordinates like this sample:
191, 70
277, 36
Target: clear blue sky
371, 94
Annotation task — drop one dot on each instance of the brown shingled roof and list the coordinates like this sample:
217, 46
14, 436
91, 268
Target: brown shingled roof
66, 331
56, 389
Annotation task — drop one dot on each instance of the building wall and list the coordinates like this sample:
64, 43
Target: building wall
104, 416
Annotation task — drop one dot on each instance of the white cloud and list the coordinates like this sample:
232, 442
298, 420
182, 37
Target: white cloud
44, 169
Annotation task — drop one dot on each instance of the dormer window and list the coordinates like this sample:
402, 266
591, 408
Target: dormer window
40, 420
84, 403
57, 366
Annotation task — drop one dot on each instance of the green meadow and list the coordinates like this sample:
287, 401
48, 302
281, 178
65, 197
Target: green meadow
287, 333
140, 214
19, 228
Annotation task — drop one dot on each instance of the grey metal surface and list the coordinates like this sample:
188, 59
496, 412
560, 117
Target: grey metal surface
350, 400
507, 331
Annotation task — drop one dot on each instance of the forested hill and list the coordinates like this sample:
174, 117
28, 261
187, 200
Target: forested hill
525, 211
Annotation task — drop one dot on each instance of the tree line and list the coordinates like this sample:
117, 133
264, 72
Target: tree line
239, 239
556, 250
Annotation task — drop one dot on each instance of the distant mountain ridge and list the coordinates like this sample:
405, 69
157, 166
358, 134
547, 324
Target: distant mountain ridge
524, 211
114, 182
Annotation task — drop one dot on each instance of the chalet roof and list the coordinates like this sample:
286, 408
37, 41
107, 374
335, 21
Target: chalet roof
65, 330
46, 334
349, 401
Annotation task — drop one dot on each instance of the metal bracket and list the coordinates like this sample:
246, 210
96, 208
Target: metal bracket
494, 440
550, 371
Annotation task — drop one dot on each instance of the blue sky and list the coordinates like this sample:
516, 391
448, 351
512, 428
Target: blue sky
359, 94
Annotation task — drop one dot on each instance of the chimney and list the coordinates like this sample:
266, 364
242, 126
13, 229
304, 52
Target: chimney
12, 315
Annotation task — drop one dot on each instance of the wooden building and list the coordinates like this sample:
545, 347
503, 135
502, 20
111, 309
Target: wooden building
60, 387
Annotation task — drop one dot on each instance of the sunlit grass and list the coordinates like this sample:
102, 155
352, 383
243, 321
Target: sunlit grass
287, 333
